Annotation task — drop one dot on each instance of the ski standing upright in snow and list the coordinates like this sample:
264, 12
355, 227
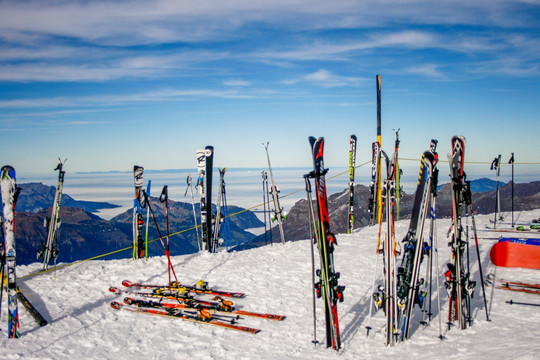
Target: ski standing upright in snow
201, 168
50, 247
375, 197
274, 191
219, 214
9, 199
352, 165
390, 251
398, 173
327, 287
209, 169
138, 242
414, 246
190, 188
458, 284
205, 163
496, 165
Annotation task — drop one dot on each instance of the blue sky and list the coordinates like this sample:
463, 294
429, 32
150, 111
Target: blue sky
109, 84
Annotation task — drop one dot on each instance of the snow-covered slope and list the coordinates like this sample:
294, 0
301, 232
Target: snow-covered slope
276, 279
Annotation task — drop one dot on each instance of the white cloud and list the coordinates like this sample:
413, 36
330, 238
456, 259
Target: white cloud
237, 83
427, 70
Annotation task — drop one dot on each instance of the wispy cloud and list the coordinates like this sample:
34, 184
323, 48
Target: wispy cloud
325, 78
237, 83
427, 70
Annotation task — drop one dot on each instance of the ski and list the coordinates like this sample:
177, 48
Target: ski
209, 168
374, 204
221, 306
352, 165
201, 185
200, 316
274, 191
328, 286
148, 188
200, 288
9, 199
518, 288
389, 293
50, 247
460, 288
40, 320
190, 187
219, 213
138, 243
415, 248
490, 278
496, 165
398, 173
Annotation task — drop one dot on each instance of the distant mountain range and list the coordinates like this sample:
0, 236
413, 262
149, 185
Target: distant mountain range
35, 197
526, 197
84, 235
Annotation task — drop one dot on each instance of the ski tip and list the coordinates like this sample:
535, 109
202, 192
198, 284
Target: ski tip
129, 301
127, 283
116, 305
114, 290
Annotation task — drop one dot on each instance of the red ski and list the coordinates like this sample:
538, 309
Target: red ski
200, 288
223, 307
201, 316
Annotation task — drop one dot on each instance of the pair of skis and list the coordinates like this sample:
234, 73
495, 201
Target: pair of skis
279, 214
327, 287
459, 285
50, 247
414, 246
10, 193
386, 297
205, 163
138, 221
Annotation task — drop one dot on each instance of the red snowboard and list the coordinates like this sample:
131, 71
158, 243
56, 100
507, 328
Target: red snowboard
512, 254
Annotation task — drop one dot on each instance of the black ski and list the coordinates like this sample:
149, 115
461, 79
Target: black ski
328, 287
352, 165
414, 247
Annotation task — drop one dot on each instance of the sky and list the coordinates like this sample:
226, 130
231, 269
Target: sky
110, 84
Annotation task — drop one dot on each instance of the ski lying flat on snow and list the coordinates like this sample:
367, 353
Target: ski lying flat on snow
181, 287
201, 317
518, 288
518, 283
30, 308
219, 308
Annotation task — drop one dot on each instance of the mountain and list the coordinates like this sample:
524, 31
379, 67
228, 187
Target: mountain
482, 185
526, 197
181, 224
35, 197
82, 235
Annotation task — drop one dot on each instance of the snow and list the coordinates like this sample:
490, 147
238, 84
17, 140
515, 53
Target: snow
277, 279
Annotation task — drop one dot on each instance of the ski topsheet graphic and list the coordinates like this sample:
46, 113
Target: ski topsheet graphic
352, 165
138, 242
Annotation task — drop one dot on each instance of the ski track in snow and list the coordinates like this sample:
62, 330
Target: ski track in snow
276, 279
